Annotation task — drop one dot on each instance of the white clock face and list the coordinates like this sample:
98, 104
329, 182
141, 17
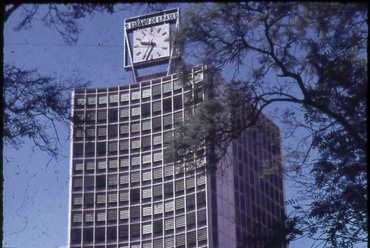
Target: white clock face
151, 43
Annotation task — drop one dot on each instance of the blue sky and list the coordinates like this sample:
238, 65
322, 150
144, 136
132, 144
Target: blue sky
36, 195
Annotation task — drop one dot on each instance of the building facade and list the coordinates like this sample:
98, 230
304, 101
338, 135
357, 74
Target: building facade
124, 192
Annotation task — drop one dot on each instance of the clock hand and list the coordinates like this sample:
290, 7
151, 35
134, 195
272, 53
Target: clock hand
145, 43
151, 49
144, 56
151, 45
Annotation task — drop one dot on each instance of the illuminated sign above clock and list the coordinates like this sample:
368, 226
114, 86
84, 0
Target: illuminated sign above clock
151, 20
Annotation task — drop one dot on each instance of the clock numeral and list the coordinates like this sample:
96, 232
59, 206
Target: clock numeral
138, 39
143, 33
167, 39
136, 46
158, 54
137, 54
151, 29
164, 33
159, 30
151, 56
164, 48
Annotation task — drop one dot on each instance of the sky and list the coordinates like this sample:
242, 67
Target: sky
36, 194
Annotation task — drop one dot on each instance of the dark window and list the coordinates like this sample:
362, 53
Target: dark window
177, 102
201, 199
135, 231
77, 150
101, 149
167, 105
90, 149
99, 235
123, 233
100, 182
168, 189
112, 131
112, 233
89, 182
113, 115
88, 235
89, 199
76, 236
157, 227
135, 195
145, 110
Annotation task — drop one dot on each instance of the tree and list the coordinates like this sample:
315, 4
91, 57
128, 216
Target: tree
312, 55
30, 99
32, 103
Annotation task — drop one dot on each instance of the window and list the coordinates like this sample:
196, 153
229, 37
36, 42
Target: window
125, 97
135, 95
113, 98
168, 189
99, 235
146, 93
89, 149
113, 115
103, 99
180, 239
177, 117
135, 196
113, 131
201, 199
167, 87
124, 113
123, 232
124, 129
88, 235
102, 115
112, 233
146, 125
89, 182
157, 227
135, 111
100, 182
156, 90
145, 110
135, 231
101, 149
156, 123
167, 105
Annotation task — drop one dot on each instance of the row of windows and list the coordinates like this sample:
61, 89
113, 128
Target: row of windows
113, 147
134, 196
114, 98
124, 232
135, 177
140, 111
146, 157
145, 217
112, 131
168, 189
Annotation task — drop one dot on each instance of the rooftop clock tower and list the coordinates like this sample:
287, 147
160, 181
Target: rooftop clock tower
149, 41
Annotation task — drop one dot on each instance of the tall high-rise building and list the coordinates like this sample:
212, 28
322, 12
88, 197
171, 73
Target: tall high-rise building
125, 193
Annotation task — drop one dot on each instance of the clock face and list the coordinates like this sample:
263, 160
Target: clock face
151, 43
